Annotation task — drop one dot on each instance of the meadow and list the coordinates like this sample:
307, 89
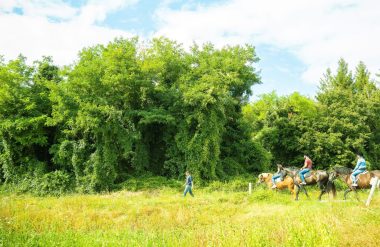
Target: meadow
216, 216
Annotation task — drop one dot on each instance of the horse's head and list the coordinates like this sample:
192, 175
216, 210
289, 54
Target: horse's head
262, 177
342, 170
291, 171
338, 171
332, 175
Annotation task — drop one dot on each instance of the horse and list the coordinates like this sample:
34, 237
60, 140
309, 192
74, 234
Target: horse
376, 173
281, 185
363, 179
319, 177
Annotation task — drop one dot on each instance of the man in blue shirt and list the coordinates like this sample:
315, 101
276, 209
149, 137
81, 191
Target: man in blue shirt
359, 168
188, 184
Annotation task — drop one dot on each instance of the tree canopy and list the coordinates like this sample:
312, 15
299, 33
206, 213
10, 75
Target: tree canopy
343, 120
130, 108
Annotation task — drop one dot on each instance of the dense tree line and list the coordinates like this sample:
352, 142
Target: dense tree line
126, 109
132, 108
343, 119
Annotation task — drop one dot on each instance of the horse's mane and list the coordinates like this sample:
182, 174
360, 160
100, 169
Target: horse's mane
292, 168
342, 170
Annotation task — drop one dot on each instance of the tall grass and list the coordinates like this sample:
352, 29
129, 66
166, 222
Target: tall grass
164, 218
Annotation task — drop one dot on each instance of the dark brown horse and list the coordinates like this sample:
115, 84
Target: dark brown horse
319, 177
363, 179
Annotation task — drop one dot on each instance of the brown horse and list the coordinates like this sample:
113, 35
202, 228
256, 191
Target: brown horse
319, 177
363, 179
286, 183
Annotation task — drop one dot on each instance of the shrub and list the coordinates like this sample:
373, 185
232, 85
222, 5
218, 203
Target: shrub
261, 194
149, 183
238, 184
54, 183
340, 185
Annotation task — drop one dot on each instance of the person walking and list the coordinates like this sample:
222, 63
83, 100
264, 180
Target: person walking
188, 184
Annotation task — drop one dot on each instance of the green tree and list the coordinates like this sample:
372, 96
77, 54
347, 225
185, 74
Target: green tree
279, 124
25, 107
343, 122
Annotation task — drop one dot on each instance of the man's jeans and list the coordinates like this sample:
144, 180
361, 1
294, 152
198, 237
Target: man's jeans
302, 174
188, 189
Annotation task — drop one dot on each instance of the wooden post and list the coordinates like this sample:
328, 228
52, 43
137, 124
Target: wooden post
374, 182
250, 188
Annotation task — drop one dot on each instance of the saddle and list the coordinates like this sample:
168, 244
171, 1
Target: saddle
359, 175
280, 179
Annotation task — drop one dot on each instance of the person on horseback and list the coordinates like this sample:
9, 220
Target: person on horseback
279, 174
308, 164
359, 168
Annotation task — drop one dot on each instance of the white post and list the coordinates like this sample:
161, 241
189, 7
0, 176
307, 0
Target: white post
374, 182
250, 188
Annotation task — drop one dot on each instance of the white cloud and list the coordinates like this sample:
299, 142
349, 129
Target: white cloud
97, 10
35, 33
317, 32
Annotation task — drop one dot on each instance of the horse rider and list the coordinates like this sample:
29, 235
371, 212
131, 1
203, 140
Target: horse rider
308, 164
359, 168
279, 174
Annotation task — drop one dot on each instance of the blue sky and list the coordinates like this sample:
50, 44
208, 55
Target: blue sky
296, 40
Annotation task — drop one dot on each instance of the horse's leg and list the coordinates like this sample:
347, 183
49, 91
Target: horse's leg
321, 194
346, 192
333, 189
291, 189
305, 191
322, 189
297, 191
357, 195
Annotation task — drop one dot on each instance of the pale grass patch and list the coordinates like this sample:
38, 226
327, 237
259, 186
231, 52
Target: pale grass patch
165, 218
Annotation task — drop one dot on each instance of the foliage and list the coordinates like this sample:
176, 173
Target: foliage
278, 124
55, 183
127, 109
150, 183
237, 184
341, 121
130, 109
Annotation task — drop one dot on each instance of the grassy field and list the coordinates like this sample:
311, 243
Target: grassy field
164, 218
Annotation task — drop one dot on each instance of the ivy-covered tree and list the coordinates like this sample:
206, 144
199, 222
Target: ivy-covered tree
126, 109
24, 109
130, 109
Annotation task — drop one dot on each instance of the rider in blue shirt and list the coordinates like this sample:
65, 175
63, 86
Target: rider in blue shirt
278, 174
359, 168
